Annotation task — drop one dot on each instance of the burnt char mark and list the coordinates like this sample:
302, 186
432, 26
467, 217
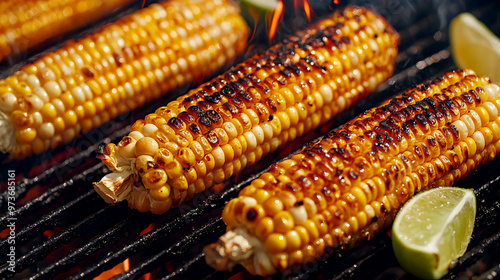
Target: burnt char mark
175, 123
212, 138
474, 95
214, 116
231, 108
194, 129
228, 91
304, 66
454, 131
245, 96
421, 119
431, 117
206, 122
87, 72
469, 100
291, 186
431, 141
271, 104
294, 69
251, 214
119, 59
238, 103
212, 99
304, 182
197, 111
186, 117
286, 72
204, 105
245, 81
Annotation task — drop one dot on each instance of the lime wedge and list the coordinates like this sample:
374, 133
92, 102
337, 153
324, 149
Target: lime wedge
474, 46
433, 229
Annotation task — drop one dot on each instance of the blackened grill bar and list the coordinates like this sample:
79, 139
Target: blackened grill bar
107, 235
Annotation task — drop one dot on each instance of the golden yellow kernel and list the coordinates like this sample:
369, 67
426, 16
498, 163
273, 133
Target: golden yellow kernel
26, 135
180, 183
228, 214
293, 241
59, 125
296, 257
186, 157
89, 109
160, 194
264, 227
275, 243
48, 111
272, 206
146, 146
261, 195
20, 119
174, 170
283, 221
37, 146
495, 129
87, 125
248, 191
312, 230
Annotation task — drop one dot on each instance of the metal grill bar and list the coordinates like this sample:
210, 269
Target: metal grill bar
48, 197
106, 239
211, 228
53, 219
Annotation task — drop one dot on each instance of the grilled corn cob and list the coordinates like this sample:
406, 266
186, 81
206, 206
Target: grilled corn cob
229, 123
118, 68
27, 24
348, 186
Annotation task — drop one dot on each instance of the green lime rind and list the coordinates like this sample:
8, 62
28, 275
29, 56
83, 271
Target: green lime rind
474, 46
433, 229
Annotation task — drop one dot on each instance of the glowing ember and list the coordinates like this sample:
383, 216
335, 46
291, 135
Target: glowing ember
143, 3
278, 12
336, 2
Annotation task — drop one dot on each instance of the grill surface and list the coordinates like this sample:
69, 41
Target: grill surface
63, 229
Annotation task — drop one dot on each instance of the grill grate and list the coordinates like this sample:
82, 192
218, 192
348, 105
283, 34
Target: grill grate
65, 230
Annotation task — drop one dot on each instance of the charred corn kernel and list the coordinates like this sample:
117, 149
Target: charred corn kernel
234, 120
446, 136
119, 67
154, 179
41, 22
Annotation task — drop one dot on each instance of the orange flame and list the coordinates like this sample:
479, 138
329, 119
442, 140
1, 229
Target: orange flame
336, 2
118, 269
307, 10
278, 12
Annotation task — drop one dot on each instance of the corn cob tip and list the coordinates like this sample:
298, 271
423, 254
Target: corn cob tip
237, 246
115, 187
8, 139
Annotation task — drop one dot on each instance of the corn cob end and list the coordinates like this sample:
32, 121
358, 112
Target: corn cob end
239, 247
